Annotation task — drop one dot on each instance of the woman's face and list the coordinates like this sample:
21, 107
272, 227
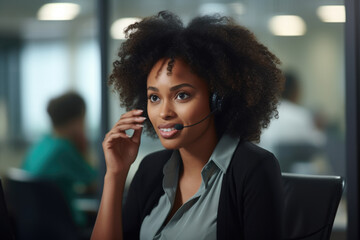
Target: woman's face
179, 98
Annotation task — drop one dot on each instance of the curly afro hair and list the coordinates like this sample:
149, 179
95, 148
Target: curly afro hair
235, 65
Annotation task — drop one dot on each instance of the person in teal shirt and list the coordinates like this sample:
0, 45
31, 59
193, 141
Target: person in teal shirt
59, 156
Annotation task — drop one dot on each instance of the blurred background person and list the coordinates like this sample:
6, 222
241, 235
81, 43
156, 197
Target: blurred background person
60, 155
295, 137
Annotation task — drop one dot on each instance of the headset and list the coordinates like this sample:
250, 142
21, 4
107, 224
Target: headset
216, 105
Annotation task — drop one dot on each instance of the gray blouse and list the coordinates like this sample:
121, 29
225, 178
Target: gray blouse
195, 219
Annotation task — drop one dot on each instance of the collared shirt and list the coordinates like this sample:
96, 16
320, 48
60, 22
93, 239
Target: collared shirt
195, 219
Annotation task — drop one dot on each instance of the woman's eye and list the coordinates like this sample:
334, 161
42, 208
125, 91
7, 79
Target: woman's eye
153, 98
182, 96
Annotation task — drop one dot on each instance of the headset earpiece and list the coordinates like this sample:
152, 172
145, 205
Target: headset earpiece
216, 102
215, 106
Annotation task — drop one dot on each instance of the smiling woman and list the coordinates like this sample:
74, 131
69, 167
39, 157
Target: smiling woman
207, 90
179, 98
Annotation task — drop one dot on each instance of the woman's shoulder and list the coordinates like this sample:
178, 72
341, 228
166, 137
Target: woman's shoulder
252, 150
154, 162
249, 156
149, 175
157, 158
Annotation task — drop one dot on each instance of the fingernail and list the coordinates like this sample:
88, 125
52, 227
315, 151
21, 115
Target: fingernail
141, 118
139, 111
139, 125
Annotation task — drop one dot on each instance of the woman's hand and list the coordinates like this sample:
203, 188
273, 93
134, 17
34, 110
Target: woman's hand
120, 149
120, 152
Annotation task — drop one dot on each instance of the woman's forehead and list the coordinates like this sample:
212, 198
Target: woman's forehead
180, 72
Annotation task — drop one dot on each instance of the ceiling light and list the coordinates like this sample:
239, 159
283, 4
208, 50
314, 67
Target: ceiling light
118, 27
58, 11
287, 25
333, 13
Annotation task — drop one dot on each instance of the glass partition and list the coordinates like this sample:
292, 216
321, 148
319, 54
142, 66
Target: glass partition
48, 48
42, 56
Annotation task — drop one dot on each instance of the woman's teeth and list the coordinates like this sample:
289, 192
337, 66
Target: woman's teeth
167, 129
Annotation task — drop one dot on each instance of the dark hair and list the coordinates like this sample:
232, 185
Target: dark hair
235, 65
66, 108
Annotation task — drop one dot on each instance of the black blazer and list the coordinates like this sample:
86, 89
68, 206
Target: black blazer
251, 198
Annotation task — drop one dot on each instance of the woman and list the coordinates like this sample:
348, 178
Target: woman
206, 90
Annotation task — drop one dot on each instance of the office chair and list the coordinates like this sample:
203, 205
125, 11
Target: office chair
39, 208
6, 232
311, 202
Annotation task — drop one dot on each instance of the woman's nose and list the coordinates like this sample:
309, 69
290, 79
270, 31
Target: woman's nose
167, 111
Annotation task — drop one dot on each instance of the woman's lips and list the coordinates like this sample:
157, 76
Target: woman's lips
167, 132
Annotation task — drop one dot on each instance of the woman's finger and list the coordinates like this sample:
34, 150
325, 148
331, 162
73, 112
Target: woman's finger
136, 114
130, 120
132, 113
136, 137
117, 130
124, 127
116, 136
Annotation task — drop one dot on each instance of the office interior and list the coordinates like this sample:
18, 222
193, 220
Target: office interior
41, 57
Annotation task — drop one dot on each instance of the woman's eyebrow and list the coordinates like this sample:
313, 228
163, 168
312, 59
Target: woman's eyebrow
174, 88
153, 89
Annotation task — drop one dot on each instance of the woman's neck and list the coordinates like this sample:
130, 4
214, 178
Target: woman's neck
196, 155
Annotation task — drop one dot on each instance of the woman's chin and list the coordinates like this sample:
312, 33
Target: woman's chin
170, 144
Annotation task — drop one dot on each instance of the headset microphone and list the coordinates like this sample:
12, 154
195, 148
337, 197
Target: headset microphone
216, 105
180, 126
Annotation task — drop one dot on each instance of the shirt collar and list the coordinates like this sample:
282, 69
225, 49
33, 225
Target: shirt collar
224, 151
221, 158
171, 173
